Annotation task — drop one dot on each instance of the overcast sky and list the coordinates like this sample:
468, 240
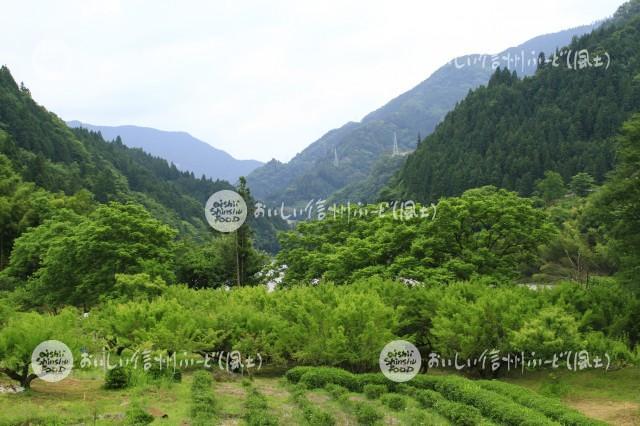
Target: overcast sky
259, 79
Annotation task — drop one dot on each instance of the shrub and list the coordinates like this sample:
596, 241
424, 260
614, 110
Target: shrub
336, 391
176, 376
136, 416
260, 418
494, 406
256, 410
374, 379
374, 391
427, 398
405, 389
459, 414
321, 376
317, 417
295, 374
155, 372
256, 401
547, 406
394, 401
313, 415
117, 378
201, 381
421, 418
203, 403
366, 414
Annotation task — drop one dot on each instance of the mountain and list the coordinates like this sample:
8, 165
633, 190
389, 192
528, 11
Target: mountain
362, 147
180, 148
55, 158
512, 131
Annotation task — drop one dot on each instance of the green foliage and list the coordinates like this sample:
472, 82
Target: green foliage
156, 372
512, 131
203, 403
552, 187
374, 391
367, 414
486, 231
212, 264
458, 413
336, 391
256, 410
574, 252
346, 326
137, 416
117, 378
616, 205
550, 331
495, 407
137, 286
550, 407
294, 374
81, 265
321, 376
394, 401
582, 184
470, 319
313, 415
22, 332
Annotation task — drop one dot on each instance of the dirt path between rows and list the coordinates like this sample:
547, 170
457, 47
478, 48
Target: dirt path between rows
618, 413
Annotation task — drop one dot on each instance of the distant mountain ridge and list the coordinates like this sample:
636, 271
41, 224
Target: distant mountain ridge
365, 147
185, 151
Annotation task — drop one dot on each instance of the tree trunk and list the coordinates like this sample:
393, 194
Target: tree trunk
24, 378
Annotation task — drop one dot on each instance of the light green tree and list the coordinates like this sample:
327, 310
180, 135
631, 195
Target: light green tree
551, 187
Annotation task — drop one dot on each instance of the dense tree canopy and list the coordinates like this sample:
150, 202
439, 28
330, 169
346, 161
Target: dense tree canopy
486, 231
512, 131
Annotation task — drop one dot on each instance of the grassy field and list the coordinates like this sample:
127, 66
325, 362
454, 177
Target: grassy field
613, 397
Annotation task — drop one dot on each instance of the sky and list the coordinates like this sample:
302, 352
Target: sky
258, 79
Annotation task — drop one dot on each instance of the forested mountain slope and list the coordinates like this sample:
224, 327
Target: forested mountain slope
43, 150
365, 146
511, 131
182, 149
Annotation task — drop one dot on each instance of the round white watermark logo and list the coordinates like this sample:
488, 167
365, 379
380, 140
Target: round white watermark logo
400, 361
226, 211
52, 360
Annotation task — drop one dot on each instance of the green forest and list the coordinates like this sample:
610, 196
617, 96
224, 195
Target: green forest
513, 229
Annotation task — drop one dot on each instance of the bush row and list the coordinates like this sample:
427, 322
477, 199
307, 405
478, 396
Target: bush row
256, 410
547, 406
374, 391
459, 414
498, 406
121, 377
394, 401
336, 391
319, 377
203, 403
137, 416
366, 414
312, 414
493, 406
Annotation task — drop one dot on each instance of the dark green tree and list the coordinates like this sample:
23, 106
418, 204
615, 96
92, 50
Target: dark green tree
582, 184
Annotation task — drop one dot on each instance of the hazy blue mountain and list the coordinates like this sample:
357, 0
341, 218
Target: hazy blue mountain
363, 148
182, 149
